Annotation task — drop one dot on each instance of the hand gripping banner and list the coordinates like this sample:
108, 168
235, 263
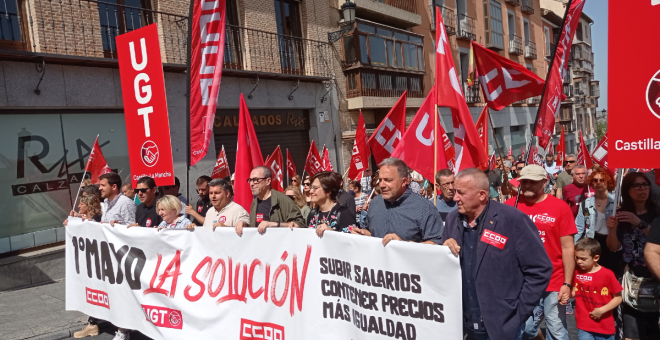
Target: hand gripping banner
285, 284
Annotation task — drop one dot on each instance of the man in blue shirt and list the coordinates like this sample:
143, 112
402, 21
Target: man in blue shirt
398, 214
444, 179
504, 266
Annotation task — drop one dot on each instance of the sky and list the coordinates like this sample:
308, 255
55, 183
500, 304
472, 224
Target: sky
597, 11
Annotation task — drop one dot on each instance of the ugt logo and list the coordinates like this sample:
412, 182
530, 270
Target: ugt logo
653, 90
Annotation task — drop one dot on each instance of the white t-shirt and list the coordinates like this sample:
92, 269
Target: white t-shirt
552, 169
229, 215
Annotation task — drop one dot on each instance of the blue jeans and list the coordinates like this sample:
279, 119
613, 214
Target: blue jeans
555, 319
584, 335
482, 336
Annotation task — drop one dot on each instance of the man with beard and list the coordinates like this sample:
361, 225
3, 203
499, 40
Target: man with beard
203, 202
556, 227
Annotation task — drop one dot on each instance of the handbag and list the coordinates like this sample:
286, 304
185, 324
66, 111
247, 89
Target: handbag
640, 293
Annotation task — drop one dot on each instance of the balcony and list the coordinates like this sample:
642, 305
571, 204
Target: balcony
472, 93
398, 13
515, 45
568, 126
527, 6
530, 50
568, 91
376, 83
448, 17
466, 28
406, 5
534, 100
513, 2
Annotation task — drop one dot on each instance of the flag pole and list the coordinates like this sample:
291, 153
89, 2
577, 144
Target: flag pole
188, 70
435, 154
84, 173
536, 119
492, 127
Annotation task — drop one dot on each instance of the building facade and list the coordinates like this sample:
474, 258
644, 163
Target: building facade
60, 88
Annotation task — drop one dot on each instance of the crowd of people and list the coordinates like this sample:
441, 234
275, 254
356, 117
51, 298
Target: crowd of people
564, 246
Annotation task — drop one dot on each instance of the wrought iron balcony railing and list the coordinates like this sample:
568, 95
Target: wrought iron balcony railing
515, 45
472, 93
406, 5
372, 83
466, 28
448, 17
527, 6
530, 50
513, 2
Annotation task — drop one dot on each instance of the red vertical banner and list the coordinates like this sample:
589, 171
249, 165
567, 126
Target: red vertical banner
361, 153
554, 88
207, 49
145, 105
634, 85
561, 148
248, 156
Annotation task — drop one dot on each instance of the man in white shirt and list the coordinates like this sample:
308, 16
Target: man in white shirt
553, 171
224, 212
119, 208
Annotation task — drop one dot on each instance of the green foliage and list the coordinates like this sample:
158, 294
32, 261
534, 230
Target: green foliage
601, 129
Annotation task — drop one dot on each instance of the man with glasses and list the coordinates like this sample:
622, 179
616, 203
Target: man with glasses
270, 208
203, 202
565, 177
146, 214
224, 212
444, 179
578, 191
174, 191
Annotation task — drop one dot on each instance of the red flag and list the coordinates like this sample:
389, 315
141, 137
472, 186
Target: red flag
274, 162
550, 149
583, 157
549, 107
389, 132
534, 157
600, 153
492, 162
561, 148
416, 147
503, 80
522, 151
221, 169
96, 164
207, 50
510, 152
248, 156
327, 165
290, 167
360, 157
482, 127
469, 152
313, 163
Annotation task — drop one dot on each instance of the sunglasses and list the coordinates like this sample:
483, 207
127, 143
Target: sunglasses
598, 180
291, 197
519, 168
141, 190
570, 162
307, 183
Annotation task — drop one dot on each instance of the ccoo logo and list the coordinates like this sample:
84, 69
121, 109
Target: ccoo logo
149, 153
653, 95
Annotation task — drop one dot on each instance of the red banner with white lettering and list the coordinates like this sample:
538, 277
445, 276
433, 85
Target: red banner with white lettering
389, 132
503, 80
510, 153
207, 50
221, 169
360, 157
290, 166
554, 90
482, 127
469, 153
314, 162
416, 147
96, 164
600, 153
145, 105
248, 156
274, 163
583, 157
634, 84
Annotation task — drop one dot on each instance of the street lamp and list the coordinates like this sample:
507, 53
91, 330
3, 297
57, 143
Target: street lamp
348, 8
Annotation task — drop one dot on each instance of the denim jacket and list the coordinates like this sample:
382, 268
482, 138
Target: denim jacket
590, 221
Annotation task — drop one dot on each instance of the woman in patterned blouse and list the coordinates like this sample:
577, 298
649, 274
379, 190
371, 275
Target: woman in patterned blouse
327, 214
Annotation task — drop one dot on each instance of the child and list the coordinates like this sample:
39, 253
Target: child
597, 292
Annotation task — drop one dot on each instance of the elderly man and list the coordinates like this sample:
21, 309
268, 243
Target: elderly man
578, 191
444, 179
565, 177
556, 226
270, 208
224, 212
398, 214
504, 268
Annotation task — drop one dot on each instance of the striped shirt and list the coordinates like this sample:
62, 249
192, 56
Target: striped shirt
411, 217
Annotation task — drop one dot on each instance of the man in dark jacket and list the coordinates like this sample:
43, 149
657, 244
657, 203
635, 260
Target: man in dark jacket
505, 269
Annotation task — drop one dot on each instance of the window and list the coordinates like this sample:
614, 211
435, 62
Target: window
287, 18
493, 24
387, 47
135, 13
518, 138
548, 43
578, 32
511, 21
10, 30
526, 32
586, 31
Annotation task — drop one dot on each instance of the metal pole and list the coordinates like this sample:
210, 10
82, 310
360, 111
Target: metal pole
497, 144
435, 154
188, 155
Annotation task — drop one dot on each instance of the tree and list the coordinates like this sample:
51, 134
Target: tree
601, 129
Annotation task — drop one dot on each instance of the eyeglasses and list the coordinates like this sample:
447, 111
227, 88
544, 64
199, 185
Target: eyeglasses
255, 180
519, 169
598, 180
314, 188
570, 162
640, 186
141, 190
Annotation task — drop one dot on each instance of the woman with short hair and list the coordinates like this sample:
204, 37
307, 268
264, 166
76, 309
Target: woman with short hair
169, 208
327, 214
293, 191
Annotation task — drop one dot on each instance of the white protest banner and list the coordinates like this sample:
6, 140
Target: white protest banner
285, 284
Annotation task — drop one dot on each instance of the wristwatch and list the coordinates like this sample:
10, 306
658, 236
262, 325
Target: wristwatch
568, 285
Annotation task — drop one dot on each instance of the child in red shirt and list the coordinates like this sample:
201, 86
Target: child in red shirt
597, 292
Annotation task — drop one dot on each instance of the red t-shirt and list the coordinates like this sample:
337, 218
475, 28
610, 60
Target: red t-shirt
573, 195
553, 220
594, 290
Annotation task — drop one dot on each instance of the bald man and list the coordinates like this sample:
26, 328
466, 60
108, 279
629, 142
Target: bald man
505, 269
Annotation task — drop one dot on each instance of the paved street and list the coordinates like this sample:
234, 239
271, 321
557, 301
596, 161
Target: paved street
36, 311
